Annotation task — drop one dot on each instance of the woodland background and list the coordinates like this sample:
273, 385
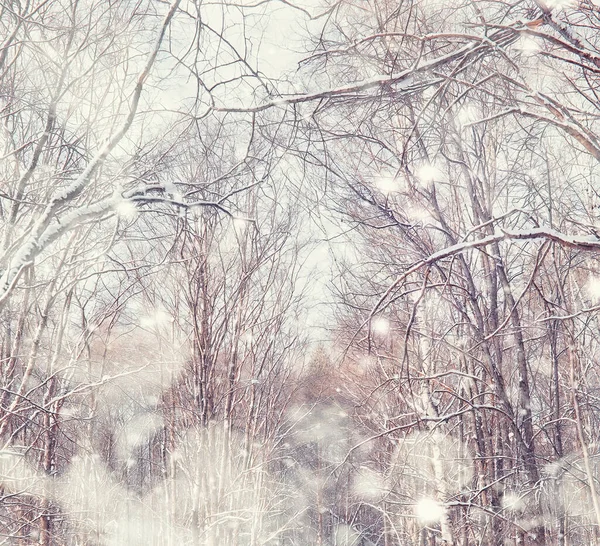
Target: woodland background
277, 273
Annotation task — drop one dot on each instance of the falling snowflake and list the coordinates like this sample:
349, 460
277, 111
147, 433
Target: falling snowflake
592, 288
387, 184
512, 502
428, 173
126, 209
527, 45
380, 325
158, 318
429, 511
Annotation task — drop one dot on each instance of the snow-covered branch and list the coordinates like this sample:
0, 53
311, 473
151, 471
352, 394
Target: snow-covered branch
580, 242
43, 232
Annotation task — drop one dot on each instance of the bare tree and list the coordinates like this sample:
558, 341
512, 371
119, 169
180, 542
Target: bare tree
153, 274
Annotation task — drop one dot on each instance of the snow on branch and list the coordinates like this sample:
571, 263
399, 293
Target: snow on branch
402, 80
48, 226
579, 242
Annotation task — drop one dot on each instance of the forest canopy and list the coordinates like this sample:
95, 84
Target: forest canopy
288, 273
